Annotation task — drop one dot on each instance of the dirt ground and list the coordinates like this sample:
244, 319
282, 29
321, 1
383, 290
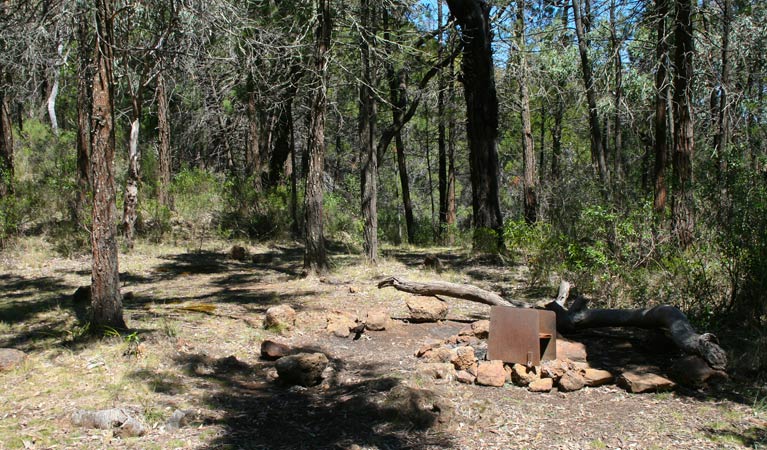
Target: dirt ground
195, 318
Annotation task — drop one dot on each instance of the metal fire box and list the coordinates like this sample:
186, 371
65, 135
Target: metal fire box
524, 336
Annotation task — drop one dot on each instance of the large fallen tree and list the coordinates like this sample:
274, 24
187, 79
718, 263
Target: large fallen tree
573, 314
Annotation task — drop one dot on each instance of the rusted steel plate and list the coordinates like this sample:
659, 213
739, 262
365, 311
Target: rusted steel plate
523, 336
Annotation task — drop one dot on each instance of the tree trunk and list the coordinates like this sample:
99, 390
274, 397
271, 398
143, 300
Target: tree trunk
106, 300
482, 120
253, 149
721, 137
51, 102
315, 258
451, 133
405, 181
6, 145
441, 143
597, 147
369, 156
661, 98
684, 143
528, 152
559, 111
577, 317
163, 149
618, 126
84, 74
130, 195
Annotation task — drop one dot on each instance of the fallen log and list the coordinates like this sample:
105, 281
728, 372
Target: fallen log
577, 317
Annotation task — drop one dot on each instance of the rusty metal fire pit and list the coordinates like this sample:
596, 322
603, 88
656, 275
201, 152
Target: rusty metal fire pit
524, 336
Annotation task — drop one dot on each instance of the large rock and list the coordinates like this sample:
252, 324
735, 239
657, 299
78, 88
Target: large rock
440, 355
574, 351
571, 381
479, 329
521, 375
465, 377
426, 309
274, 350
541, 385
437, 371
596, 377
491, 373
555, 368
340, 323
693, 371
427, 347
121, 419
378, 319
303, 369
464, 358
280, 317
637, 382
10, 358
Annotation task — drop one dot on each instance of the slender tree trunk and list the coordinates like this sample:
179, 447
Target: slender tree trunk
253, 150
369, 156
106, 300
51, 102
661, 99
541, 152
559, 111
684, 143
163, 150
482, 119
84, 77
618, 126
427, 152
597, 148
295, 225
721, 137
315, 258
6, 145
441, 143
528, 152
130, 195
451, 133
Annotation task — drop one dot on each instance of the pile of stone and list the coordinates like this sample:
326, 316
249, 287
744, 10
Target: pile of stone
462, 358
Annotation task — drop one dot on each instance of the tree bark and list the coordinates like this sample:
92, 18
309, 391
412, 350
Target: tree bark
597, 147
661, 98
163, 150
618, 96
559, 111
106, 300
51, 102
684, 143
530, 202
482, 119
6, 145
721, 137
315, 258
369, 156
451, 133
130, 195
441, 137
577, 317
253, 149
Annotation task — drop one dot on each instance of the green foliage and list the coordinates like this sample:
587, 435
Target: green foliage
486, 240
255, 214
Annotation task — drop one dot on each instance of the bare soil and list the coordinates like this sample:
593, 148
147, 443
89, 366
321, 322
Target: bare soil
195, 318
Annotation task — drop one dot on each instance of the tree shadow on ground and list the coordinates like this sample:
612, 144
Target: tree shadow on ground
256, 413
13, 305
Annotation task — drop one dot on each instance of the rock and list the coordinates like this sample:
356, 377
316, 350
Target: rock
479, 329
464, 358
541, 385
465, 377
574, 351
178, 419
596, 377
491, 373
470, 340
109, 418
555, 368
440, 355
522, 376
693, 371
474, 369
10, 358
637, 382
340, 323
274, 350
238, 253
571, 381
437, 371
431, 345
434, 263
421, 407
281, 317
378, 319
303, 369
426, 309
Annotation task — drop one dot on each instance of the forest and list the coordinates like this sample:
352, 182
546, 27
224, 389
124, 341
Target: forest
202, 205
